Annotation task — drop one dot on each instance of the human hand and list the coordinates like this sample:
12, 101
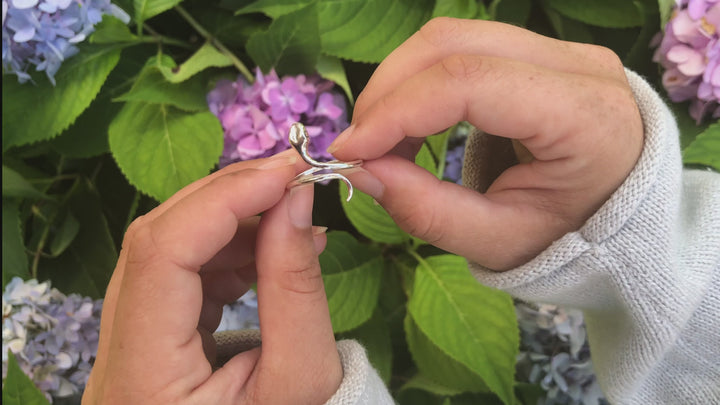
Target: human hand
568, 104
202, 249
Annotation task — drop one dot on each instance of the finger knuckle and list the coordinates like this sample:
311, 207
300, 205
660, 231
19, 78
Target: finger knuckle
440, 30
607, 58
463, 67
305, 278
422, 223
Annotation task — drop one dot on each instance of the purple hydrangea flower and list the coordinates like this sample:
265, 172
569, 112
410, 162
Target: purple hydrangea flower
256, 117
454, 163
690, 53
43, 33
53, 336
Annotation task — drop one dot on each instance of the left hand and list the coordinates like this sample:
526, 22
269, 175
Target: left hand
183, 261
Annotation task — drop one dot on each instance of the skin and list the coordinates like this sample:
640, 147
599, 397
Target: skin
568, 108
202, 249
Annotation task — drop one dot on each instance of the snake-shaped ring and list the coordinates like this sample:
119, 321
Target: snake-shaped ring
320, 171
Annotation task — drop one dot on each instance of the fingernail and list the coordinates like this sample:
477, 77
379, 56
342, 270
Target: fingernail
364, 181
341, 139
278, 161
300, 203
319, 230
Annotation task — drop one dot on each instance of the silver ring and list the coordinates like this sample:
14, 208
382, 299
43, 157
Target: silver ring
320, 171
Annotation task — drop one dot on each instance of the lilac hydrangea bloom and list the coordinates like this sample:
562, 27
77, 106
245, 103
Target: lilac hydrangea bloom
256, 117
554, 353
53, 336
690, 53
43, 33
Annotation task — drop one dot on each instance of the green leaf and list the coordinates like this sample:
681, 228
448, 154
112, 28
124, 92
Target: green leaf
438, 145
370, 219
231, 30
15, 185
331, 68
433, 153
368, 30
665, 7
88, 135
64, 236
145, 9
161, 149
514, 12
14, 258
426, 160
205, 57
360, 30
111, 30
455, 8
86, 265
352, 274
529, 394
689, 128
601, 13
705, 149
422, 382
54, 108
447, 375
18, 388
568, 29
291, 44
374, 335
475, 325
274, 8
151, 86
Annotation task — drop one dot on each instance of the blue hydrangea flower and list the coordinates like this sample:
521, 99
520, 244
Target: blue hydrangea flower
456, 152
555, 354
241, 314
53, 336
43, 33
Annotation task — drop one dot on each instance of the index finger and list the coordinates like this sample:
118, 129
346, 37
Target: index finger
532, 104
443, 37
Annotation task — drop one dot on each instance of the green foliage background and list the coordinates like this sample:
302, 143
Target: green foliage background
127, 125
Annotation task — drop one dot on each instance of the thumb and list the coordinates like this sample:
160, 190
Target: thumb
298, 345
499, 231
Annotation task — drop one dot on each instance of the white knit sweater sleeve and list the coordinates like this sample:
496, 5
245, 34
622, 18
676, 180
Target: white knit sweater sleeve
361, 384
645, 270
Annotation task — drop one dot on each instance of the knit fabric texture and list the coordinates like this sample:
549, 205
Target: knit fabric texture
645, 270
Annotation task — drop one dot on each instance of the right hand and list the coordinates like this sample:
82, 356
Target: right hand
568, 104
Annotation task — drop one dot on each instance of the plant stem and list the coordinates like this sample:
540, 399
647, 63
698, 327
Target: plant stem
40, 246
417, 257
215, 42
133, 210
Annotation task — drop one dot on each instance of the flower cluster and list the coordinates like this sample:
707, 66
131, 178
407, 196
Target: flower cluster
555, 354
690, 54
241, 314
43, 33
256, 117
53, 336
